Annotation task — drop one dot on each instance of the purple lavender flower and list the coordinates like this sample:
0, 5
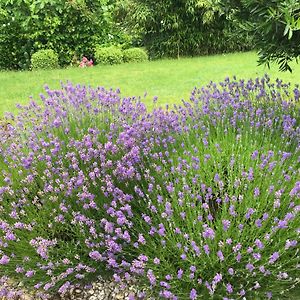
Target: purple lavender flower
218, 278
208, 233
250, 267
229, 288
231, 271
206, 249
226, 224
256, 192
151, 277
290, 244
30, 273
193, 294
156, 261
179, 273
250, 212
64, 287
220, 255
254, 154
274, 257
95, 255
269, 295
4, 260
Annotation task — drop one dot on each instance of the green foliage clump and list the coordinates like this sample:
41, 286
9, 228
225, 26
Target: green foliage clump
44, 59
135, 55
68, 27
108, 55
185, 28
274, 25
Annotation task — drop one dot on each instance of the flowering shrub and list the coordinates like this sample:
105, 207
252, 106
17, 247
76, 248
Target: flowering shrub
58, 163
86, 63
198, 201
220, 202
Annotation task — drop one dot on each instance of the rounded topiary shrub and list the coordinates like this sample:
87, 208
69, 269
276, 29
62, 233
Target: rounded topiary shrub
108, 55
44, 59
135, 55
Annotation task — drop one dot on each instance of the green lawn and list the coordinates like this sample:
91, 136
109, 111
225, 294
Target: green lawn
170, 80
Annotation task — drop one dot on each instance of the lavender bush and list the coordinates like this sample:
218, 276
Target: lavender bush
59, 162
220, 202
198, 201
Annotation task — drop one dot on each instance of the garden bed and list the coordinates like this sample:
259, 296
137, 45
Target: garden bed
197, 201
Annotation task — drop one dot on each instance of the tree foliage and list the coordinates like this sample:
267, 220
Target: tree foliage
68, 27
186, 27
165, 27
274, 25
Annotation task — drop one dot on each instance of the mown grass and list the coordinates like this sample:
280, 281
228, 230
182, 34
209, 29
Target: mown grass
170, 80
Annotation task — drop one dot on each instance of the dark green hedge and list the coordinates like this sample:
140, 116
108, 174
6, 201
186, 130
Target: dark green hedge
68, 27
182, 28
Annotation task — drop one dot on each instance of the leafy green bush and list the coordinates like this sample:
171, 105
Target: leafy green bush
135, 55
108, 55
184, 28
68, 27
44, 59
274, 25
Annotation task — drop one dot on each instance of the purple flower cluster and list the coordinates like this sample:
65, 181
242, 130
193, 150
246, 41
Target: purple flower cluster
196, 201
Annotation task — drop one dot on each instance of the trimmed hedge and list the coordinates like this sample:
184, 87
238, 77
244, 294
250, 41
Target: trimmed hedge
108, 55
135, 55
44, 59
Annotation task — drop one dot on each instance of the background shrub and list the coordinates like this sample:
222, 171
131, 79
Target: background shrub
74, 27
44, 59
135, 55
108, 55
186, 28
68, 27
165, 28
